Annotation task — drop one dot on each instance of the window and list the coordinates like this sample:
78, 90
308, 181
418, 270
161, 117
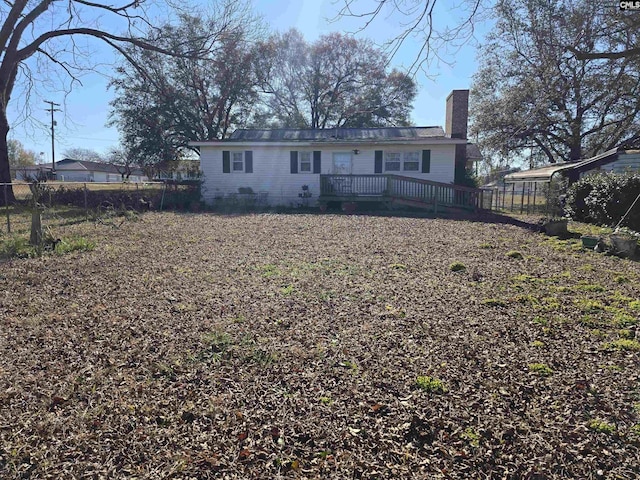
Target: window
411, 162
392, 162
238, 162
305, 161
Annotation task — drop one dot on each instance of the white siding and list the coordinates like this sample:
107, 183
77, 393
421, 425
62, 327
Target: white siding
272, 170
625, 162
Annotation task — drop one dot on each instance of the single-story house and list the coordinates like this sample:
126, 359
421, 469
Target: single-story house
70, 170
283, 166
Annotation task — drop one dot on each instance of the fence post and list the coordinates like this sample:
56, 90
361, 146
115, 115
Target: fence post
522, 198
6, 207
86, 204
164, 188
513, 194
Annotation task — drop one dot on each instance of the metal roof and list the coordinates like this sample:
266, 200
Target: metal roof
545, 173
336, 134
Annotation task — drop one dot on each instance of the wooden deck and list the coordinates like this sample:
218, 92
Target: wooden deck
400, 189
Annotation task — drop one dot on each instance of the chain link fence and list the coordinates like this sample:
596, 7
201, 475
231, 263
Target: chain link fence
58, 200
529, 198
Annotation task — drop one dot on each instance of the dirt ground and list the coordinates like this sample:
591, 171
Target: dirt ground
319, 346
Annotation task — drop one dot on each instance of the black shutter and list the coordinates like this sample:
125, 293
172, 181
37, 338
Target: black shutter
317, 156
294, 162
226, 162
248, 161
378, 165
426, 161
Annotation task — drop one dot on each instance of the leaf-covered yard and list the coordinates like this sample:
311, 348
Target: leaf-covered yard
319, 346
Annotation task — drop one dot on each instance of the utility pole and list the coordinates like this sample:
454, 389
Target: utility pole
52, 109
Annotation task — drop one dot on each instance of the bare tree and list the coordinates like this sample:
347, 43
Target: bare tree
48, 30
86, 154
417, 22
124, 163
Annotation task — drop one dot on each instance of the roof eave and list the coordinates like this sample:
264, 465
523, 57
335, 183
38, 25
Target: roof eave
351, 142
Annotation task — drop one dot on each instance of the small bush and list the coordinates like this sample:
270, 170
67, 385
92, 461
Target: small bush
457, 267
430, 384
514, 254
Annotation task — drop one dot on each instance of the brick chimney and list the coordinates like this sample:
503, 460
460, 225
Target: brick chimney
457, 114
456, 119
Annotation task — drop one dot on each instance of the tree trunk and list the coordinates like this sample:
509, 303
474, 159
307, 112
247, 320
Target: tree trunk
5, 171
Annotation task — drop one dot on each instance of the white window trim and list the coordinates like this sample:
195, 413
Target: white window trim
416, 160
384, 162
231, 154
300, 152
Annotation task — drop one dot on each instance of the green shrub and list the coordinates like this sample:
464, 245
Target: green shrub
457, 267
430, 384
78, 244
603, 198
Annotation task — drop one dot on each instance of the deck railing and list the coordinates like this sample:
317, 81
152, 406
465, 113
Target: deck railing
397, 187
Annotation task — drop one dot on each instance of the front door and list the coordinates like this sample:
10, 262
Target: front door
342, 163
341, 166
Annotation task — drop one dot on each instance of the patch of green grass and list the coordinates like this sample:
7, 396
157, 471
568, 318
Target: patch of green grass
634, 305
636, 408
326, 400
514, 254
17, 247
398, 266
596, 332
217, 343
540, 321
635, 430
589, 306
600, 426
628, 334
471, 436
540, 369
430, 384
76, 244
621, 279
457, 267
287, 290
622, 344
589, 287
527, 299
537, 344
620, 298
493, 302
269, 270
485, 246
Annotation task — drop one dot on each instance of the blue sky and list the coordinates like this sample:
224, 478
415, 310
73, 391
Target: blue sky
85, 110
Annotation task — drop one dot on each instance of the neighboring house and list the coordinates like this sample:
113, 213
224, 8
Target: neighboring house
284, 165
69, 170
618, 160
186, 170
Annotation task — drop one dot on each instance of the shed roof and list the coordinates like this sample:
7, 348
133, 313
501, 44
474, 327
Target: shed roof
545, 173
